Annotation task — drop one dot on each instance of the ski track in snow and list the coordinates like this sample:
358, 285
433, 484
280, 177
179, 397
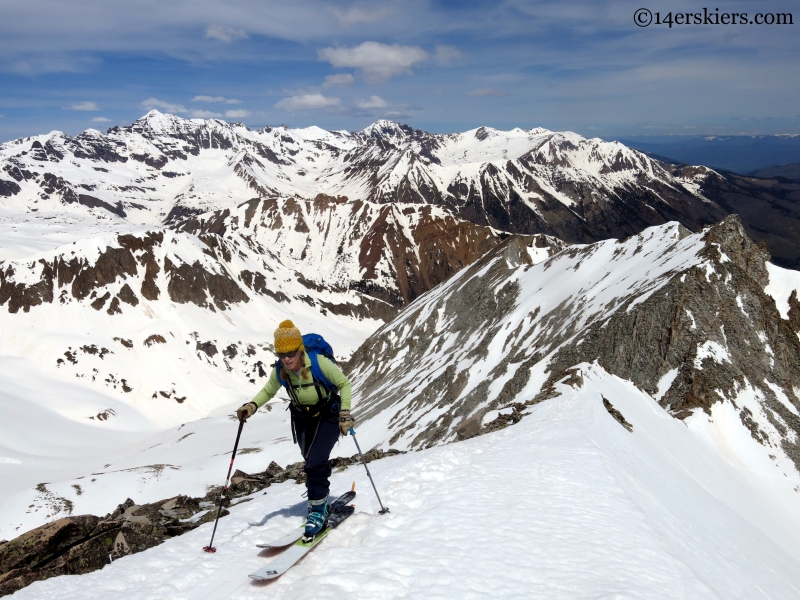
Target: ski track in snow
565, 504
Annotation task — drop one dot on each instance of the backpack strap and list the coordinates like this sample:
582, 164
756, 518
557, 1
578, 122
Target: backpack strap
319, 381
317, 373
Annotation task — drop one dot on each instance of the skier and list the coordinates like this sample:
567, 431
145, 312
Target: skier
319, 414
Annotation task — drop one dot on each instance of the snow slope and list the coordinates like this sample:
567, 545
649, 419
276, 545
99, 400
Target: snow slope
82, 388
565, 504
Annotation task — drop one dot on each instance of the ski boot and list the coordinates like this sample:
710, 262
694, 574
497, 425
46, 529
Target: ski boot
318, 513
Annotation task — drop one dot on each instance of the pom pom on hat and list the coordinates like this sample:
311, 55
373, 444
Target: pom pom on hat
287, 337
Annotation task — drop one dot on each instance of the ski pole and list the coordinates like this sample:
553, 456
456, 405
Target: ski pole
210, 547
383, 510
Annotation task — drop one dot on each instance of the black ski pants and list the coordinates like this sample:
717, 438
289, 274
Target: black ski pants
316, 438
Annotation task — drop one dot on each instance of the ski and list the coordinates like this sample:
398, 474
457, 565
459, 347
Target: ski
296, 534
294, 553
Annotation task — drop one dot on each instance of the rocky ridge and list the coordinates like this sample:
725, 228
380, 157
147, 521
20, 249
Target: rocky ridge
80, 544
683, 316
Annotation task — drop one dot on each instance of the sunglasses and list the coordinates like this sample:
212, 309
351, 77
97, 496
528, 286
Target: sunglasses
282, 355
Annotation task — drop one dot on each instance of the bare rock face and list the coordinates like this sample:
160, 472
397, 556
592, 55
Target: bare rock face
683, 316
9, 188
391, 253
43, 548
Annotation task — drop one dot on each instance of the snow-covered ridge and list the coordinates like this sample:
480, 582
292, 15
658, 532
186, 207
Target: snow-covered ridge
651, 514
683, 316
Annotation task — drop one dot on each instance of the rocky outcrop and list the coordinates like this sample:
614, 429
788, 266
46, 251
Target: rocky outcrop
83, 279
81, 544
195, 283
9, 188
683, 316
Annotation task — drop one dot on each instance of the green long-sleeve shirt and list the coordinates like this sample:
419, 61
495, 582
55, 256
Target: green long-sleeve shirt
307, 395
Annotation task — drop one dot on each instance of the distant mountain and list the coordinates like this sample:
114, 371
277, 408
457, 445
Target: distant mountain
790, 171
163, 169
741, 154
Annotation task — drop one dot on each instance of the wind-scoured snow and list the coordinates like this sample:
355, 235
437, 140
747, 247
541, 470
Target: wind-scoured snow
552, 299
782, 283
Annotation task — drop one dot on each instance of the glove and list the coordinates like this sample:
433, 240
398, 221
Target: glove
345, 421
245, 411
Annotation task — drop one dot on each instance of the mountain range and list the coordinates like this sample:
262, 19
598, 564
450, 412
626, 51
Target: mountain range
525, 285
163, 169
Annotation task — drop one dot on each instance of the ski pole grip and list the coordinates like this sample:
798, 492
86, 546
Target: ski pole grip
352, 431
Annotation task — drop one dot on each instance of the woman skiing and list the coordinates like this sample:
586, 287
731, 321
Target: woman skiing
320, 409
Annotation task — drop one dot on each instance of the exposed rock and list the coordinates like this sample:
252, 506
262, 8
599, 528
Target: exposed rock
114, 307
20, 295
191, 283
154, 339
617, 415
9, 188
794, 311
93, 202
85, 543
127, 295
208, 347
704, 331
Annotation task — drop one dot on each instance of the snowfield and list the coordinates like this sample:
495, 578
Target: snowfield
565, 504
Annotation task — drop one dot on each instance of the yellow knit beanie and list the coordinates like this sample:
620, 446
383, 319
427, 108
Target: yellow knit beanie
287, 337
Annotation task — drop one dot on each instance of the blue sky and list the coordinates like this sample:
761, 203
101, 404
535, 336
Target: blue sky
440, 66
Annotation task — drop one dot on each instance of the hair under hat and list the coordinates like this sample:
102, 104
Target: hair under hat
287, 337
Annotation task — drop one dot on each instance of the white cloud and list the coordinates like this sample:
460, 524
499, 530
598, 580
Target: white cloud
486, 92
225, 34
448, 55
34, 62
372, 102
355, 15
84, 106
216, 99
338, 79
308, 101
203, 114
152, 103
237, 114
101, 120
377, 61
180, 109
